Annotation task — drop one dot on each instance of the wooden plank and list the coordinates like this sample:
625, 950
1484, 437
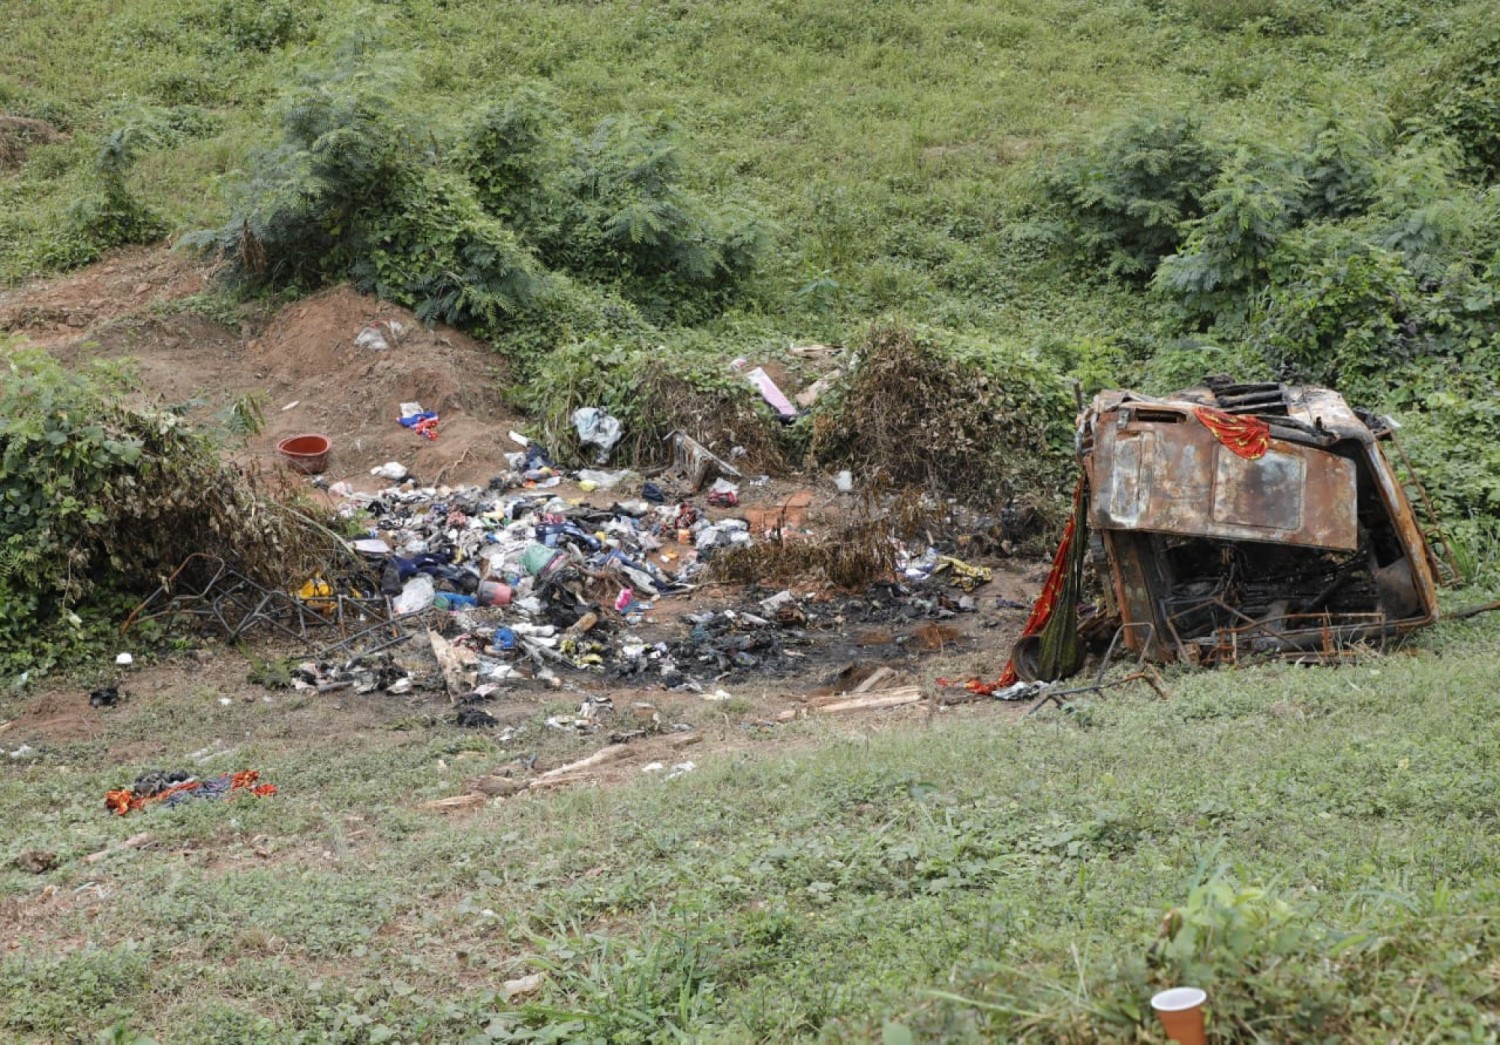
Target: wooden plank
891, 698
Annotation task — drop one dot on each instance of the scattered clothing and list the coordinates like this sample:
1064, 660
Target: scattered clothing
175, 788
424, 424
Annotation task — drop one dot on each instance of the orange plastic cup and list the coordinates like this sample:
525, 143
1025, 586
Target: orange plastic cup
1181, 1013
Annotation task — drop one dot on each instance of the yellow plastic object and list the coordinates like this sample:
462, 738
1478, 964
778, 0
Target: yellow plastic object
316, 594
965, 576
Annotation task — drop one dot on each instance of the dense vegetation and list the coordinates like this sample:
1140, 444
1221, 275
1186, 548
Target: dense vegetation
1135, 192
100, 501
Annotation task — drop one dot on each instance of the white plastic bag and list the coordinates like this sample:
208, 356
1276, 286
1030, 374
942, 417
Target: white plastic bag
416, 595
603, 480
597, 428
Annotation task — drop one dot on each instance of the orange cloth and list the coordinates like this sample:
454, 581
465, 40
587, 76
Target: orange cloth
1250, 437
126, 801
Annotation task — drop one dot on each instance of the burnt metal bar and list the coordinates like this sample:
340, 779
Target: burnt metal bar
1141, 669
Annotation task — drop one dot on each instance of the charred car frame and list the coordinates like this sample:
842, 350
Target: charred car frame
1303, 546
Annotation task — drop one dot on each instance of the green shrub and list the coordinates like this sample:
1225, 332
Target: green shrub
100, 501
1337, 168
260, 25
629, 220
488, 241
610, 208
655, 384
302, 216
1464, 100
115, 217
1453, 436
1126, 198
105, 212
1225, 258
510, 153
441, 254
1341, 310
1185, 362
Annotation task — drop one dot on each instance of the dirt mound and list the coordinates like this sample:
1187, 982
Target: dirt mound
18, 136
126, 282
308, 356
304, 362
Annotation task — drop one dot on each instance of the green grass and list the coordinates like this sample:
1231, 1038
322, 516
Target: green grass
979, 877
891, 144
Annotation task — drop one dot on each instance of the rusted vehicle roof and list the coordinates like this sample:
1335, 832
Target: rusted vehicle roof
1303, 544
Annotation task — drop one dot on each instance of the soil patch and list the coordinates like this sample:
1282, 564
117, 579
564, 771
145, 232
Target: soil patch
305, 364
129, 281
308, 356
18, 135
55, 718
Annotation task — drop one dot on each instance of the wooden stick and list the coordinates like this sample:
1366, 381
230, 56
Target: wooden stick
456, 803
604, 754
878, 676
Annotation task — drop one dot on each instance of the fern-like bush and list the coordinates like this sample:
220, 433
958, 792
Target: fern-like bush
487, 229
1126, 198
1464, 99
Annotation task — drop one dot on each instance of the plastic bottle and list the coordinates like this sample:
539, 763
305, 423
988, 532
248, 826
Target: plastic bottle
493, 593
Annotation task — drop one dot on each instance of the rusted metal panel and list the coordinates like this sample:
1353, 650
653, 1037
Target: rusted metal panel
1171, 477
1135, 570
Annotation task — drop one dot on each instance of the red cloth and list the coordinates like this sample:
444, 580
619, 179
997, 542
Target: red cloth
1041, 610
126, 801
1250, 437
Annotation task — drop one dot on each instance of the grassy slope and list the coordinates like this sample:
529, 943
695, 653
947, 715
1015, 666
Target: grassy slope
890, 142
796, 889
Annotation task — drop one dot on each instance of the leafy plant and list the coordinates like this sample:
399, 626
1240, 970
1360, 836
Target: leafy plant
1340, 310
628, 218
109, 214
491, 240
1127, 198
654, 388
260, 25
1224, 260
1465, 101
98, 501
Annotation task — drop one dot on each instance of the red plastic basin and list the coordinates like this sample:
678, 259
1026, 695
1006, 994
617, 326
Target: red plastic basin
306, 453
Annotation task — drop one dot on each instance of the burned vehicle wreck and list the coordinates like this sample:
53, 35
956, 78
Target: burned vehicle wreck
1235, 519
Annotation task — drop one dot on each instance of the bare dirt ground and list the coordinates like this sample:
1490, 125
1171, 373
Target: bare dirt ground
312, 376
305, 364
